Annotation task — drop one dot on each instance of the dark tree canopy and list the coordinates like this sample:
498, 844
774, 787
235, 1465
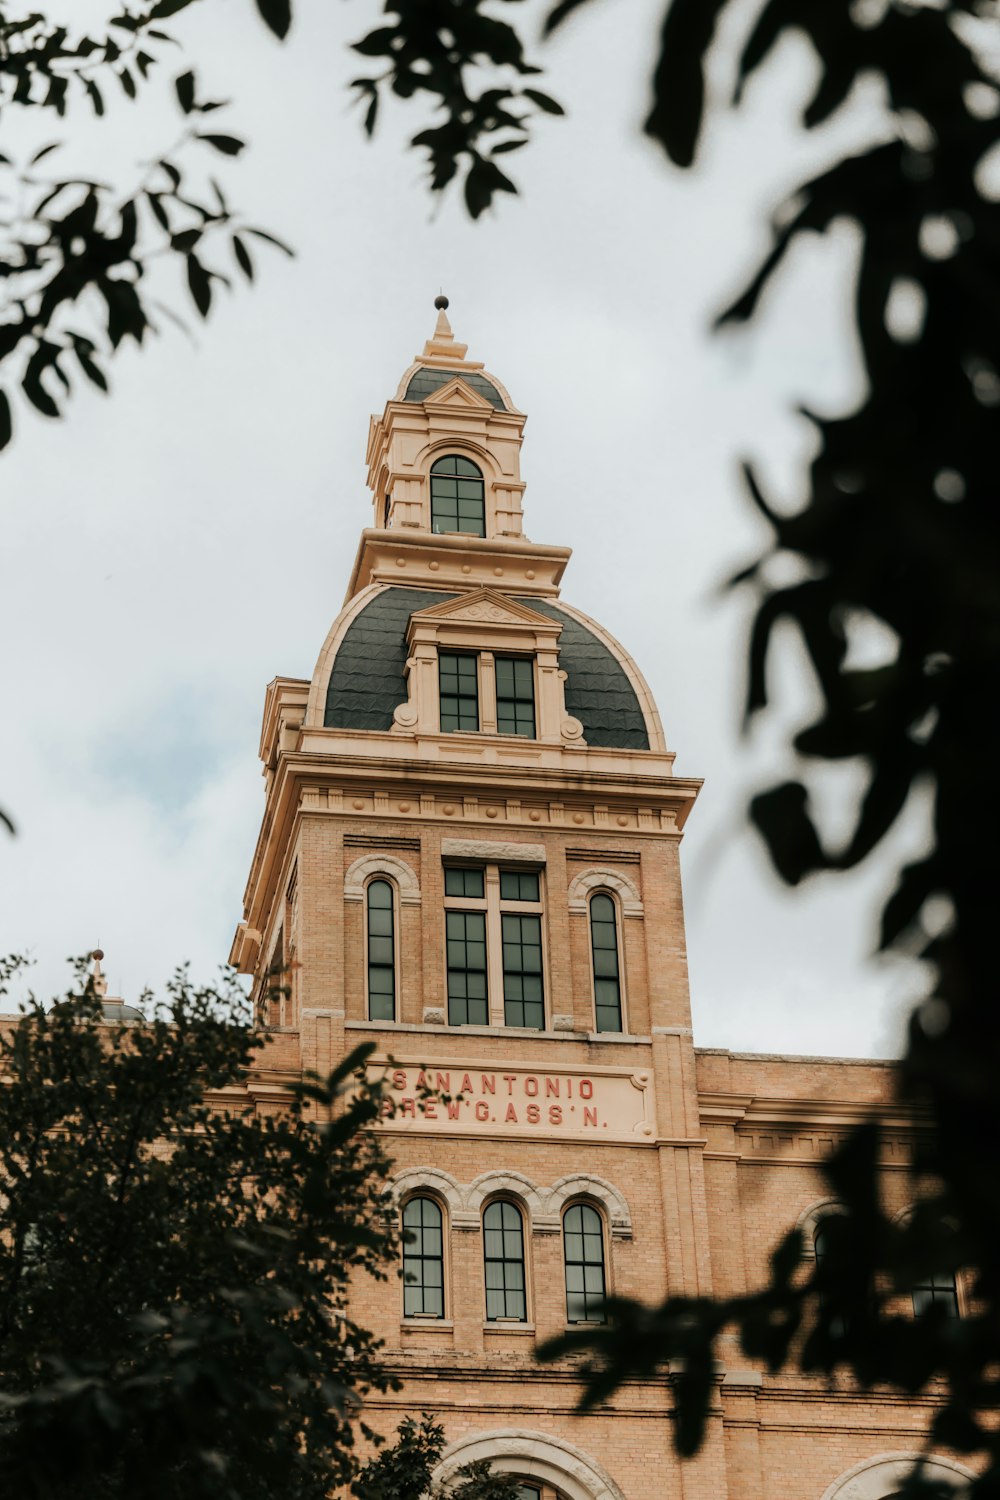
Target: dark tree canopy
173, 1269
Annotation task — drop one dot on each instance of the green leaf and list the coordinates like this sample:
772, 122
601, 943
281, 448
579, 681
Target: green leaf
184, 86
127, 82
781, 816
243, 257
6, 421
96, 98
164, 8
83, 349
229, 145
557, 15
271, 239
39, 155
544, 101
200, 283
277, 15
678, 81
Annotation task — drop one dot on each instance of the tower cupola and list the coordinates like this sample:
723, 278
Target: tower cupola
444, 457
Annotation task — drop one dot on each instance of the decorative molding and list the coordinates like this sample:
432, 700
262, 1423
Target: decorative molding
494, 851
620, 856
412, 1180
398, 870
434, 1015
380, 841
808, 1222
585, 1185
563, 1023
490, 1184
599, 878
535, 1456
874, 1478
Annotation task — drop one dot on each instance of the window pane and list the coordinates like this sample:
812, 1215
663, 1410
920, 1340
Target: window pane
459, 692
583, 1250
517, 885
381, 952
423, 1259
522, 971
457, 504
503, 1251
465, 933
515, 680
464, 883
607, 976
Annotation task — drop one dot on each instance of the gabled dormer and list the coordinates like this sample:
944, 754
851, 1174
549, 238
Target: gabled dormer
444, 457
483, 663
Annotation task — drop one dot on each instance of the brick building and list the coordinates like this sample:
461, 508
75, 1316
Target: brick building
469, 855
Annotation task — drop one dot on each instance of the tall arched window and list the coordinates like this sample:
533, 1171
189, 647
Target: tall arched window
583, 1250
423, 1259
458, 497
503, 1256
607, 971
381, 951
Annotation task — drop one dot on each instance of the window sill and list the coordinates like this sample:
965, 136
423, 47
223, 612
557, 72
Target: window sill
618, 1037
443, 1029
426, 1325
496, 1326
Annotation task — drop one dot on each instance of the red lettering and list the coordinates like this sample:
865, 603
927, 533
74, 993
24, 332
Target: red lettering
444, 1082
487, 1083
466, 1084
590, 1116
511, 1115
569, 1088
399, 1078
422, 1081
552, 1088
534, 1114
508, 1079
409, 1107
555, 1114
388, 1108
482, 1110
586, 1089
531, 1087
430, 1109
453, 1108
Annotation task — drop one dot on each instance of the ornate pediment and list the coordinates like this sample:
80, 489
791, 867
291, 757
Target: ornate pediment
457, 394
485, 607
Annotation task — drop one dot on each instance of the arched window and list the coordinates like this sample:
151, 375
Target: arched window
503, 1256
458, 501
607, 971
423, 1259
381, 951
583, 1250
937, 1289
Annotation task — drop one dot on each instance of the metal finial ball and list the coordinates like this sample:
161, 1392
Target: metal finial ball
441, 302
98, 953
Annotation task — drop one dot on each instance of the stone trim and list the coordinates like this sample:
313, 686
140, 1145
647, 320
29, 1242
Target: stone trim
810, 1217
543, 1206
535, 1455
873, 1478
495, 851
596, 879
380, 863
585, 1185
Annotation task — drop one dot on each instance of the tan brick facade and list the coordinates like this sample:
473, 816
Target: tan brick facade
694, 1161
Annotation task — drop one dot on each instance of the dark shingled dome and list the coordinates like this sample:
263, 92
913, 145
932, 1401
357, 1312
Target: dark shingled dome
368, 681
425, 382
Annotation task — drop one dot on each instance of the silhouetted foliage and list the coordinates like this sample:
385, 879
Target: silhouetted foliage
406, 1470
173, 1269
898, 529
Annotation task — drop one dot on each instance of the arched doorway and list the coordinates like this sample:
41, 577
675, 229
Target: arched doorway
549, 1467
881, 1478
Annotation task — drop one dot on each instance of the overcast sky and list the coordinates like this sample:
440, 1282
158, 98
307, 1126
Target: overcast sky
168, 550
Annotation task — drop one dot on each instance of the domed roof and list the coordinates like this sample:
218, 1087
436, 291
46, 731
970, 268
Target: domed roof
368, 679
423, 383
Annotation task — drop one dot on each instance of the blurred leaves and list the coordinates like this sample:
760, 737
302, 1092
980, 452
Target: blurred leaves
81, 262
406, 1470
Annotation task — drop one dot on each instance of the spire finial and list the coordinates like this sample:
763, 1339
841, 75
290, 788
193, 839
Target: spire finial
97, 978
441, 302
441, 347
